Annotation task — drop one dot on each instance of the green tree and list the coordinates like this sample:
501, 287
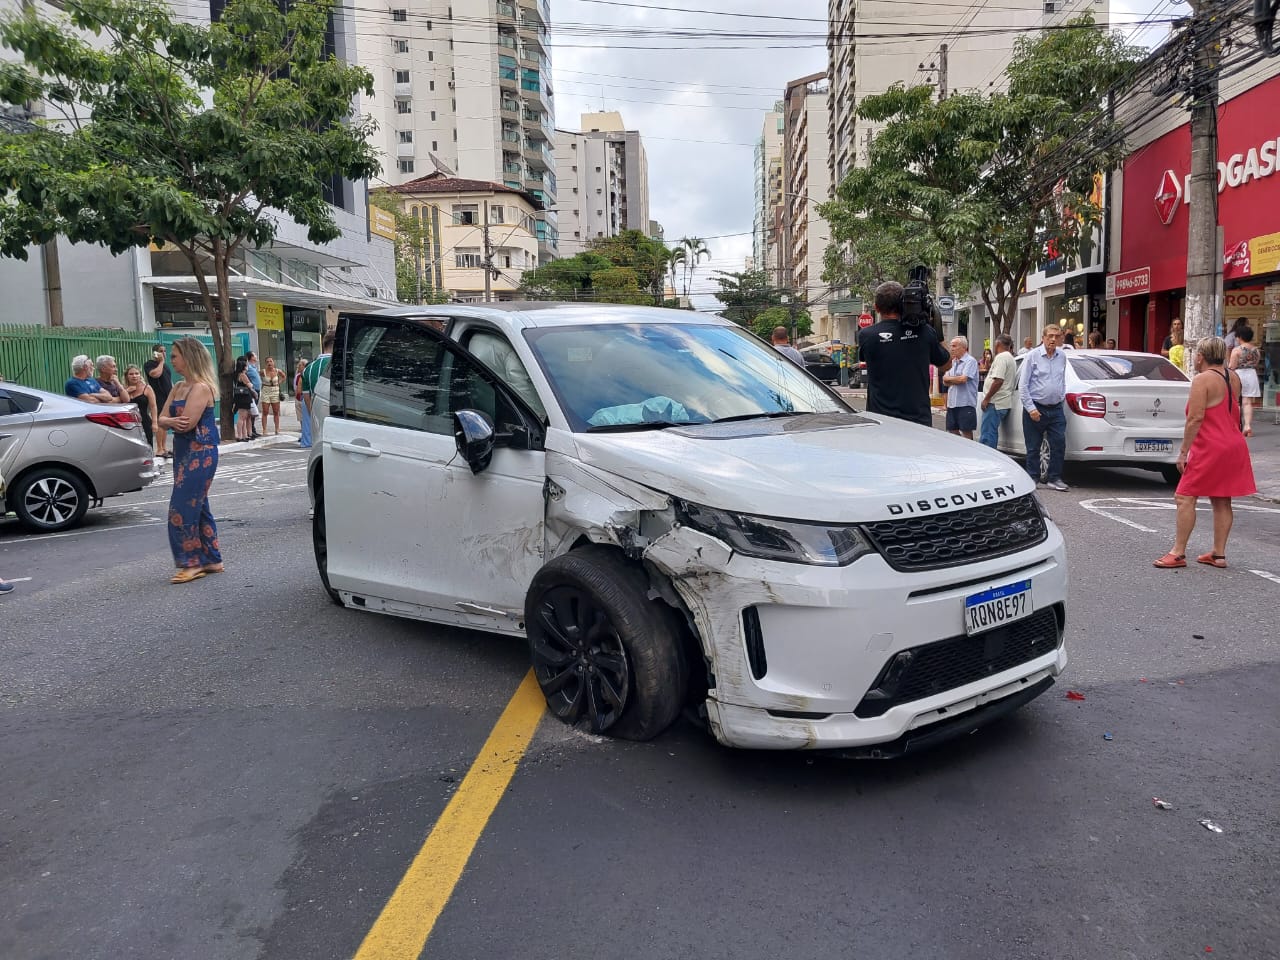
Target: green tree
989, 181
745, 295
646, 256
618, 285
566, 279
767, 321
695, 251
188, 135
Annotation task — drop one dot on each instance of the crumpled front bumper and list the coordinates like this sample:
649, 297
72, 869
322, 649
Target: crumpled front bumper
827, 633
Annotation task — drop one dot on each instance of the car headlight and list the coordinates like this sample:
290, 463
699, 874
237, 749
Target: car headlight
790, 541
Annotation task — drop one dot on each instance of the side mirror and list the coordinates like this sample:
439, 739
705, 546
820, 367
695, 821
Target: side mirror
473, 432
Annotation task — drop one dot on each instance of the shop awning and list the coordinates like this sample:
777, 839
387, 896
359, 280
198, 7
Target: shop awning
245, 288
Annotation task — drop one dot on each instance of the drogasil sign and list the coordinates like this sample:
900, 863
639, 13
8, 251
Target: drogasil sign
1256, 163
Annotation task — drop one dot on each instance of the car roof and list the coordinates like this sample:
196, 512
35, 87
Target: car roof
519, 314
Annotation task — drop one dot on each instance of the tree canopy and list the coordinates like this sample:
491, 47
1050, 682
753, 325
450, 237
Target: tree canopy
184, 134
628, 268
745, 294
986, 181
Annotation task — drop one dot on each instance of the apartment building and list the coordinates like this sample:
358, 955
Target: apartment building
806, 184
283, 294
471, 228
957, 47
768, 195
463, 87
604, 181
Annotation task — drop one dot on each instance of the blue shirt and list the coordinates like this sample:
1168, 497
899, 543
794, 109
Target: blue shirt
963, 394
1043, 378
251, 371
78, 388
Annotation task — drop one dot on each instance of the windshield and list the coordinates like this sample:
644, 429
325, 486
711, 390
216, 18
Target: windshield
1104, 367
649, 375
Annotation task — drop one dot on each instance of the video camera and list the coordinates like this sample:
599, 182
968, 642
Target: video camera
918, 306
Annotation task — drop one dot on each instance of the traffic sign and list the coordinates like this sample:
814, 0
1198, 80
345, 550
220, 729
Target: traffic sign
865, 320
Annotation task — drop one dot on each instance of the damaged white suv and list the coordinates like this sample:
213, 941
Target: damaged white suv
676, 516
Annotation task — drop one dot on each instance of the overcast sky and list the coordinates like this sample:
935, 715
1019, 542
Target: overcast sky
700, 109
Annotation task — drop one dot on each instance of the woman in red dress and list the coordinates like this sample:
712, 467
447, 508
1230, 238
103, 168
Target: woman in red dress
1214, 458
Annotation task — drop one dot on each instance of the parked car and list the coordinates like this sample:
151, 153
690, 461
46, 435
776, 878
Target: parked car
690, 522
58, 456
819, 363
1124, 409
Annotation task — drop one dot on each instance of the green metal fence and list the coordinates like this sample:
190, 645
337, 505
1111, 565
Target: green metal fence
40, 357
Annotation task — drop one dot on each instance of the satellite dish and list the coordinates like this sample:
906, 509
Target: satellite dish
440, 165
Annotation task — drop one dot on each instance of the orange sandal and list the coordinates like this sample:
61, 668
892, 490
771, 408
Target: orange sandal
1212, 560
187, 575
1171, 561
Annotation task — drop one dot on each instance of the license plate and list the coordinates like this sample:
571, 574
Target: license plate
996, 607
1152, 446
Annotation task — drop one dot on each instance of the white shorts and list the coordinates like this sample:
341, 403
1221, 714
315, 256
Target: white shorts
1249, 386
253, 409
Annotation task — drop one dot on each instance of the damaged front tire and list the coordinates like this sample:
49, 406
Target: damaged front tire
604, 654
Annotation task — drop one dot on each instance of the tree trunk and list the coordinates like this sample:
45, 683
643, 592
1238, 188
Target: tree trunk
52, 281
222, 338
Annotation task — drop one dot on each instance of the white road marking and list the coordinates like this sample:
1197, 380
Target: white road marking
1266, 576
229, 493
1103, 507
18, 580
1092, 507
79, 533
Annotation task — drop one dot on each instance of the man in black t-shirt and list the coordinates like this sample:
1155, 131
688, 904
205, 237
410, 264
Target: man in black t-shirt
161, 382
898, 358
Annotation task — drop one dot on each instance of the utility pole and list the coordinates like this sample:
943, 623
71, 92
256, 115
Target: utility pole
488, 256
1204, 260
49, 262
942, 73
417, 254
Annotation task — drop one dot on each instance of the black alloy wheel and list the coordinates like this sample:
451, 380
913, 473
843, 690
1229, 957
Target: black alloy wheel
606, 656
320, 545
579, 659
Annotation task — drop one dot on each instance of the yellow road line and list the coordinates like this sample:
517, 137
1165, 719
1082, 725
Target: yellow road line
402, 928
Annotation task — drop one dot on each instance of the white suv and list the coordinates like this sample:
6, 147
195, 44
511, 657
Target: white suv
675, 516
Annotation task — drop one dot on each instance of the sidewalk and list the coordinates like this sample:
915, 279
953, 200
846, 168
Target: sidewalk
1264, 445
290, 430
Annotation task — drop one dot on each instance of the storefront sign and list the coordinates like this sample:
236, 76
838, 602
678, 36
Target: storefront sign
270, 315
1131, 283
1155, 217
382, 223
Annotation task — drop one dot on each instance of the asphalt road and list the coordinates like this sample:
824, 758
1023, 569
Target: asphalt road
235, 768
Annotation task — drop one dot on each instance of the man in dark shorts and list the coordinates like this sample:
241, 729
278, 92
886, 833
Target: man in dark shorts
161, 382
962, 390
898, 357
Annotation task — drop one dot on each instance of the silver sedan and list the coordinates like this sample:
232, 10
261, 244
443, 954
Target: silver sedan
58, 456
1124, 409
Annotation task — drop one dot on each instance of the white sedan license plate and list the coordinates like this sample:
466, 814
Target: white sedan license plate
1152, 446
997, 606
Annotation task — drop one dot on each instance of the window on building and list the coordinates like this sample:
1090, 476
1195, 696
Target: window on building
1050, 7
468, 259
431, 56
435, 144
399, 16
597, 169
406, 136
404, 106
495, 215
467, 214
400, 46
433, 116
455, 135
428, 24
404, 166
402, 76
506, 260
574, 168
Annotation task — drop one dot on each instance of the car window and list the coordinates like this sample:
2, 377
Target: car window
1104, 367
398, 375
615, 375
496, 353
12, 401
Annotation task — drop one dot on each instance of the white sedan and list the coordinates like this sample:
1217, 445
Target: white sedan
1124, 409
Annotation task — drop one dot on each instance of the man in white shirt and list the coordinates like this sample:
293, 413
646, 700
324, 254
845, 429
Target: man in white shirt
997, 400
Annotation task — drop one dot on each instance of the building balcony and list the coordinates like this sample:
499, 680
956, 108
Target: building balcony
508, 79
506, 11
403, 91
509, 110
404, 151
508, 41
513, 170
511, 135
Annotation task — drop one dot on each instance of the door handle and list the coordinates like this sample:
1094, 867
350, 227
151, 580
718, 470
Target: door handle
359, 449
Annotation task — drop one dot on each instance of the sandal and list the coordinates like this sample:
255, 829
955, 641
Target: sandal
213, 568
187, 575
1213, 560
1171, 561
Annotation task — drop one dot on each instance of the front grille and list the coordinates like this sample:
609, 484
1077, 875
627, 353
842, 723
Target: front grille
931, 668
962, 536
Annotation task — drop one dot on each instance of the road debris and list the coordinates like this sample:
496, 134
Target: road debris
1162, 804
1074, 695
1210, 826
1107, 736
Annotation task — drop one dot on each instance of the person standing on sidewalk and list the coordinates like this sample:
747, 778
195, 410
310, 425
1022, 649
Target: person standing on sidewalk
141, 393
962, 392
160, 380
193, 533
273, 380
299, 408
1042, 386
997, 401
255, 378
